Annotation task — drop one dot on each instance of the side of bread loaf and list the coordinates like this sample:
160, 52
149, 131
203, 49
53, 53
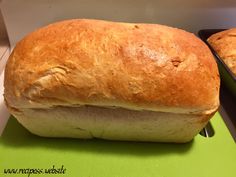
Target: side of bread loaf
88, 122
224, 43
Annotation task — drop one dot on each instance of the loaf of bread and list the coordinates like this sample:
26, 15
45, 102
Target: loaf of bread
224, 43
120, 81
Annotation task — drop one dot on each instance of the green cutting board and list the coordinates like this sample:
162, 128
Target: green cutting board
203, 157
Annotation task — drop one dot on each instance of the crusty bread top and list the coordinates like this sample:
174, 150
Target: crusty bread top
224, 43
94, 62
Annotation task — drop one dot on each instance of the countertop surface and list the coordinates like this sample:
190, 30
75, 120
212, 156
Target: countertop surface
202, 157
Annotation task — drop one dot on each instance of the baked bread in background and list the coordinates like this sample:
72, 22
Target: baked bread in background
224, 43
121, 81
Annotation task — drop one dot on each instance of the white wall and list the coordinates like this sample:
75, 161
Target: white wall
23, 16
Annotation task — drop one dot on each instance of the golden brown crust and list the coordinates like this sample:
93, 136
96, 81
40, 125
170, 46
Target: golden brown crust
224, 43
136, 66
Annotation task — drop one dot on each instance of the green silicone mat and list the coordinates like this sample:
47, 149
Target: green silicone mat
203, 157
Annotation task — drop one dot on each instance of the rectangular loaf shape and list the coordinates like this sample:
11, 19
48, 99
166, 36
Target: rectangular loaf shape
86, 78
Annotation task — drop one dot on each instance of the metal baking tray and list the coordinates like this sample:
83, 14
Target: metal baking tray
227, 76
